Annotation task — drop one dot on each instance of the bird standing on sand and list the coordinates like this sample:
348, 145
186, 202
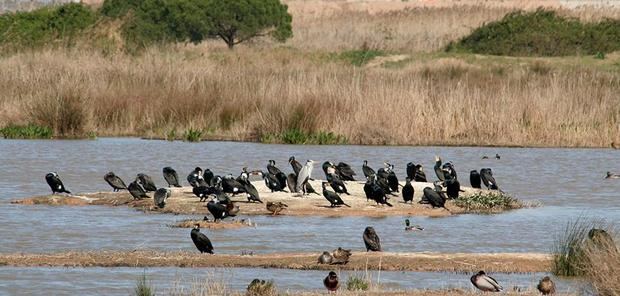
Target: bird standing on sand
136, 190
391, 178
115, 181
345, 172
171, 177
337, 184
295, 165
331, 282
196, 178
160, 197
202, 242
147, 182
438, 170
485, 283
546, 286
368, 171
486, 175
304, 176
408, 191
434, 198
332, 197
53, 180
371, 240
474, 179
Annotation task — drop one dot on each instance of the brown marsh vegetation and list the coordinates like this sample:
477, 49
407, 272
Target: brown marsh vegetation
262, 91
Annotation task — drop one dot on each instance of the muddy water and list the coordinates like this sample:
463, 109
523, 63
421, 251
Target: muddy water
569, 182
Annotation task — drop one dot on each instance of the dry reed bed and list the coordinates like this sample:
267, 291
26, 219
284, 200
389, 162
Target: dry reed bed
250, 93
457, 262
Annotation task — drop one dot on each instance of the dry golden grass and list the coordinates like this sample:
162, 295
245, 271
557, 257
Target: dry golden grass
602, 267
257, 90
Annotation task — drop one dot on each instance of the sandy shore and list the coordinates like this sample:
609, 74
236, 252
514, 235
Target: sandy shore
183, 201
457, 262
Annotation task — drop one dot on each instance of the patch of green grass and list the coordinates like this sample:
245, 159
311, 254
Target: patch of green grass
171, 135
30, 131
192, 135
355, 283
488, 201
360, 57
143, 288
297, 136
568, 250
541, 33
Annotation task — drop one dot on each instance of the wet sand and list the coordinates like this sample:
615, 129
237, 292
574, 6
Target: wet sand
183, 201
429, 262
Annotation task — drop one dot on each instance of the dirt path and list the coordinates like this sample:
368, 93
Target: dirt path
457, 262
183, 201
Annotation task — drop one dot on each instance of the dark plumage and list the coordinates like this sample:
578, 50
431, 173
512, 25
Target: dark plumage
160, 197
392, 180
487, 178
115, 181
438, 170
408, 191
295, 165
411, 168
53, 180
453, 188
250, 190
337, 184
434, 198
147, 183
171, 177
368, 171
272, 182
136, 190
375, 192
420, 176
230, 185
202, 242
196, 179
291, 181
217, 209
331, 282
203, 192
485, 283
332, 197
371, 240
345, 172
474, 179
546, 286
310, 189
271, 167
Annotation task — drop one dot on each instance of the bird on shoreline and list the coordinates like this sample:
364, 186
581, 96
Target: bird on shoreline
275, 207
115, 181
295, 165
171, 177
147, 182
331, 282
136, 190
474, 179
53, 180
337, 184
325, 258
341, 256
391, 178
304, 175
160, 197
485, 283
368, 171
371, 240
408, 191
332, 197
201, 241
546, 286
434, 198
486, 175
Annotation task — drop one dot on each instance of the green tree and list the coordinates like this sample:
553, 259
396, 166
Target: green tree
236, 21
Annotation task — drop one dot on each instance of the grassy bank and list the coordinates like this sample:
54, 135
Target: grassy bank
342, 88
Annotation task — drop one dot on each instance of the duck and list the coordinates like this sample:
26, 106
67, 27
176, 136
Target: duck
341, 256
546, 286
325, 258
485, 283
409, 227
611, 175
371, 240
275, 207
331, 282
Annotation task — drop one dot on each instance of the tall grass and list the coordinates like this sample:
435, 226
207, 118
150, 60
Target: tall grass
143, 288
251, 93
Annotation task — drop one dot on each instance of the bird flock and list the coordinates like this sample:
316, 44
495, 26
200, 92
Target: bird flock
379, 186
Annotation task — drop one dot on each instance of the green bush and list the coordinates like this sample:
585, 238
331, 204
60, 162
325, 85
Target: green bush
355, 283
192, 135
297, 136
541, 33
45, 25
487, 200
30, 131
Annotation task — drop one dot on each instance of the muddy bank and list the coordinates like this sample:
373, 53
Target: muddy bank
183, 201
458, 262
210, 224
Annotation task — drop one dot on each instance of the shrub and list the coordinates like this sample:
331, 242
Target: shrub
45, 25
488, 200
297, 136
192, 135
143, 288
65, 114
30, 131
355, 283
541, 33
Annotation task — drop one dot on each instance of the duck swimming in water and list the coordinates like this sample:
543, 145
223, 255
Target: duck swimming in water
409, 227
611, 175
